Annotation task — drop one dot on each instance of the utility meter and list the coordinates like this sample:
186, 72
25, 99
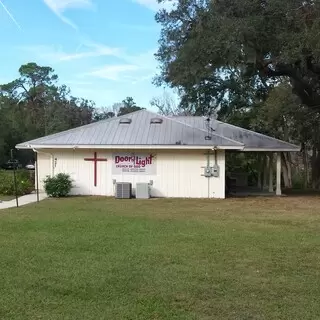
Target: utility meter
215, 171
208, 172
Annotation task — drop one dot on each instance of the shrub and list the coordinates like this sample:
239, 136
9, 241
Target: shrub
298, 181
24, 183
58, 186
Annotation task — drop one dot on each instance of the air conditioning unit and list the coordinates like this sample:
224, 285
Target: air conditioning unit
142, 190
123, 190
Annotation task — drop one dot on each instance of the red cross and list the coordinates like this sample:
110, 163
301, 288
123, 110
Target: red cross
95, 160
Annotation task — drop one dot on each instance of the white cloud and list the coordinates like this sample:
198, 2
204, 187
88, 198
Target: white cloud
135, 69
131, 68
78, 83
58, 7
144, 60
55, 54
113, 72
154, 5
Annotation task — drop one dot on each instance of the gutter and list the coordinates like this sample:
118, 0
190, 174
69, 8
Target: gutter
272, 149
147, 147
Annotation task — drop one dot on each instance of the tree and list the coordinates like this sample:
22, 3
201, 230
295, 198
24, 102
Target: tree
103, 114
284, 117
228, 56
206, 41
128, 106
35, 105
166, 105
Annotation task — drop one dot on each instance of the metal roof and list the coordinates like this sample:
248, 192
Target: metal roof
142, 129
250, 139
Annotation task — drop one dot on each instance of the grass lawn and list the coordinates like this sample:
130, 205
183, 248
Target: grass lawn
96, 258
6, 198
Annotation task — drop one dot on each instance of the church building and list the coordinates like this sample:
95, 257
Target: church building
176, 156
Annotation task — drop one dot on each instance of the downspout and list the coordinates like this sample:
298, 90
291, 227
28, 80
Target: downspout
208, 166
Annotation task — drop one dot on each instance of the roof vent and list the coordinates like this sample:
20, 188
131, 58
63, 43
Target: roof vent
156, 121
125, 121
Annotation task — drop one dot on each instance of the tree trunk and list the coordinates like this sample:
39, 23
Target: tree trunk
305, 167
271, 172
315, 168
289, 163
286, 170
265, 172
259, 182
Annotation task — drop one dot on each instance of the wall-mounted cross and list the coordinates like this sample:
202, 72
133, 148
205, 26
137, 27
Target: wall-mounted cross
95, 160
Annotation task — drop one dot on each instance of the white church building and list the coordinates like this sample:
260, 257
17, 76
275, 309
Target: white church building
177, 156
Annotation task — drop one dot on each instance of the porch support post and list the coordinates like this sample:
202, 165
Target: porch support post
271, 172
278, 189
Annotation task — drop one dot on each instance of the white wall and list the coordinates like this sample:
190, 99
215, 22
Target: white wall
44, 168
178, 174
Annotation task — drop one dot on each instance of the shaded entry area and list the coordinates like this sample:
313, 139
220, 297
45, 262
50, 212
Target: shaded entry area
253, 173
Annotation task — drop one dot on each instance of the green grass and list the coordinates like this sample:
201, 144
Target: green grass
96, 258
6, 198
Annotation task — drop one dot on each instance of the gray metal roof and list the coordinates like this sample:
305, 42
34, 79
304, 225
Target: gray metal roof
173, 131
250, 139
139, 132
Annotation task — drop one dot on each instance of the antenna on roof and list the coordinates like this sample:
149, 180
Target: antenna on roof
208, 125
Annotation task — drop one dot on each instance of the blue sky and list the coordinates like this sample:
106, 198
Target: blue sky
102, 49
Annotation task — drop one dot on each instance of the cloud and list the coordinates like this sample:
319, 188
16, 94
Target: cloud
154, 5
133, 69
58, 7
144, 60
130, 68
10, 15
78, 83
54, 54
113, 72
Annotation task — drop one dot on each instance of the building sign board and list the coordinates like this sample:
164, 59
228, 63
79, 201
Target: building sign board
133, 163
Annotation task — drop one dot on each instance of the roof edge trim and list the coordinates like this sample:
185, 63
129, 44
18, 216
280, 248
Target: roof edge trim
173, 147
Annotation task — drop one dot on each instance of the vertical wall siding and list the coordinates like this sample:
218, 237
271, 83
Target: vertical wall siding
44, 168
179, 173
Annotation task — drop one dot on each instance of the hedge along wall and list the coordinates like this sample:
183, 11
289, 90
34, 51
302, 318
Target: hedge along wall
25, 184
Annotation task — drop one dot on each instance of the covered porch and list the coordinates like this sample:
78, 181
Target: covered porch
254, 173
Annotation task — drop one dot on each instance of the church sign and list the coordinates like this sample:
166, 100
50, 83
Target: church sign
133, 163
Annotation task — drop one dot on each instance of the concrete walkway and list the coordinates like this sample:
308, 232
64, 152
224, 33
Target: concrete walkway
29, 198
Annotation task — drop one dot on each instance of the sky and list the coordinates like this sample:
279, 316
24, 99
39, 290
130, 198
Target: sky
102, 49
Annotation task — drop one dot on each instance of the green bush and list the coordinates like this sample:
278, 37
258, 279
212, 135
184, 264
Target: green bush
58, 186
298, 181
24, 183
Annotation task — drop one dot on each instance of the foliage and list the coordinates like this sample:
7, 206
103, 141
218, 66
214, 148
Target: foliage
35, 105
204, 42
128, 106
166, 105
243, 60
24, 184
58, 186
103, 114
